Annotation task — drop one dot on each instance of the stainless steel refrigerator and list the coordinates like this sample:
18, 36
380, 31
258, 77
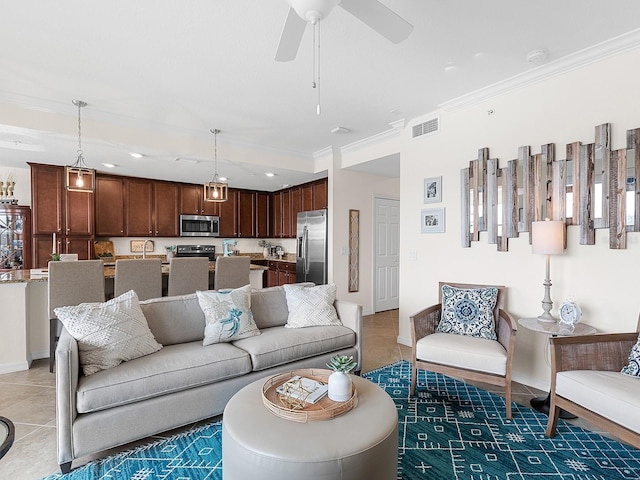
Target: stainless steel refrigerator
311, 254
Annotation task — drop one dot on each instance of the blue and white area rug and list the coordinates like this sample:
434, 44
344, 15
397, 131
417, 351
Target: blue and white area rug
449, 431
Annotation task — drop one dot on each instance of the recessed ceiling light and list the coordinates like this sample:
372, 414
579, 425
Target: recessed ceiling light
136, 155
270, 174
450, 67
537, 56
223, 179
340, 130
285, 185
190, 161
109, 165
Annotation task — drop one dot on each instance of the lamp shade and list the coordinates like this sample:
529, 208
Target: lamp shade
547, 237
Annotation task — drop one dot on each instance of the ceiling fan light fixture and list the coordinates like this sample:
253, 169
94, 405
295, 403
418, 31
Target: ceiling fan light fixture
216, 190
313, 10
79, 177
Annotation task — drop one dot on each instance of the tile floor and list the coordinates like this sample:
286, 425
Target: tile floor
28, 399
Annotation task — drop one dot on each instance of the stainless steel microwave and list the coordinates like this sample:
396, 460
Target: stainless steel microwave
199, 226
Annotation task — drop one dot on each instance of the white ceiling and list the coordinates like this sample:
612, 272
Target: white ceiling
159, 74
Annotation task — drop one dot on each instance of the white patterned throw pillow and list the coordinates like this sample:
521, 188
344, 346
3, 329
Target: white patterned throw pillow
228, 315
468, 311
311, 306
633, 363
108, 333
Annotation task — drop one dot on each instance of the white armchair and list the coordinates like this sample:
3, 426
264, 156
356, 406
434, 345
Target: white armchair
464, 356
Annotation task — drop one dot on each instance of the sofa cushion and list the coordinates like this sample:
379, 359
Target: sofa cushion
463, 351
612, 395
228, 315
269, 307
108, 333
311, 306
468, 311
177, 319
280, 345
633, 363
174, 368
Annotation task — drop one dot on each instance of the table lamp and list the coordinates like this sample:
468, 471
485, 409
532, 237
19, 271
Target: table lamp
547, 238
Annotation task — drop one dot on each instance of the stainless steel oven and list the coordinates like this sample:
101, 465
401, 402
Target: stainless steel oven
208, 251
199, 226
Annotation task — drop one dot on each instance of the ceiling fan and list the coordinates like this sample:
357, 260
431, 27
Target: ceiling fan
371, 12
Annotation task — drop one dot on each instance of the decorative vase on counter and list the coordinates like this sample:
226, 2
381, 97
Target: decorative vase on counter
340, 381
265, 252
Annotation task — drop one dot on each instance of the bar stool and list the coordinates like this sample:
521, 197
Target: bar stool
188, 274
142, 276
71, 283
232, 272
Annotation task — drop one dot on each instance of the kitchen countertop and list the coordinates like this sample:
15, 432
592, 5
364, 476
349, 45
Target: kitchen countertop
40, 274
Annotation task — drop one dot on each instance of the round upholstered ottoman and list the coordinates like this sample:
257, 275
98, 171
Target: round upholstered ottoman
360, 444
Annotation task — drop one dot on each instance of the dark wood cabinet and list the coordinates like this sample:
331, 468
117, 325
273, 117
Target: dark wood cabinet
15, 237
320, 194
46, 199
139, 207
286, 214
229, 215
306, 197
280, 273
276, 215
70, 215
166, 202
263, 215
191, 199
246, 213
110, 195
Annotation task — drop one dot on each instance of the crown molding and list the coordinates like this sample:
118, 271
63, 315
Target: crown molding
394, 132
609, 48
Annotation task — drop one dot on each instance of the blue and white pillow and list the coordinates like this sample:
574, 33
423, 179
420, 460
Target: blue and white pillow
228, 315
468, 311
633, 363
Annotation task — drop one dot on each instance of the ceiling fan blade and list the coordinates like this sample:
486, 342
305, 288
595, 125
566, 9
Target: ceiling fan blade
291, 37
383, 20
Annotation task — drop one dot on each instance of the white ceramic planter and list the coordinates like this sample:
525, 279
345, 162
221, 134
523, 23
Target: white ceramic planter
339, 387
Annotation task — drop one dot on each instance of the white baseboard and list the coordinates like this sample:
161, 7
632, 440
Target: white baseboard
404, 341
14, 367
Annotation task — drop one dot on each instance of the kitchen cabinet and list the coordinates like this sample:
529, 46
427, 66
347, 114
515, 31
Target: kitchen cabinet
70, 215
55, 210
166, 201
320, 194
306, 197
296, 207
281, 273
246, 213
276, 215
192, 201
151, 208
229, 215
15, 237
110, 195
263, 216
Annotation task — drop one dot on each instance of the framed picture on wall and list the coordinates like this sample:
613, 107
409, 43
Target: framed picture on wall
432, 220
433, 190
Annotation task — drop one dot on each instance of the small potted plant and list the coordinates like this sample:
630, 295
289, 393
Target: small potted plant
340, 380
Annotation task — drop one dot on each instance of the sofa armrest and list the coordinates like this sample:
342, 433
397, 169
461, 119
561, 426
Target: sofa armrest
67, 375
350, 314
607, 352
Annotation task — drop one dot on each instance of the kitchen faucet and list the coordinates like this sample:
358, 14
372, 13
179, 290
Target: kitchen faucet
144, 249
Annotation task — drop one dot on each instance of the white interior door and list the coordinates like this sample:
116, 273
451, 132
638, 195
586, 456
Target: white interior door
386, 245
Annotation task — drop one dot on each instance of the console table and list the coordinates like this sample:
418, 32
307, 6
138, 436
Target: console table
553, 329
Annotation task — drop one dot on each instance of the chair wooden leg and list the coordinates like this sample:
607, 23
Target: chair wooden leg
508, 400
414, 377
53, 327
552, 422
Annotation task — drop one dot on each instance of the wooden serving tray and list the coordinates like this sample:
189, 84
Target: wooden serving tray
324, 409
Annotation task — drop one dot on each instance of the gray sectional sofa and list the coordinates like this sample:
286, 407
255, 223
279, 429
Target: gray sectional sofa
185, 382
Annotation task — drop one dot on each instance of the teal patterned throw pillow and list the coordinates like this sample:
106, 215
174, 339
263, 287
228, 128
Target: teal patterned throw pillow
633, 366
468, 311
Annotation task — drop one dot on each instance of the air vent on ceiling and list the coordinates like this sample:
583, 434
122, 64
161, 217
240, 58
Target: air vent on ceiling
430, 126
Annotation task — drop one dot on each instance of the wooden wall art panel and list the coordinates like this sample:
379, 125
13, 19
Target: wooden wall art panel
593, 187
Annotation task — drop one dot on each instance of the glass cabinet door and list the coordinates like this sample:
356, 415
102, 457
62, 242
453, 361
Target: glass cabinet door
14, 238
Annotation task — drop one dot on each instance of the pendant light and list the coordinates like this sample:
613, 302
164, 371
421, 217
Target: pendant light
216, 189
79, 177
